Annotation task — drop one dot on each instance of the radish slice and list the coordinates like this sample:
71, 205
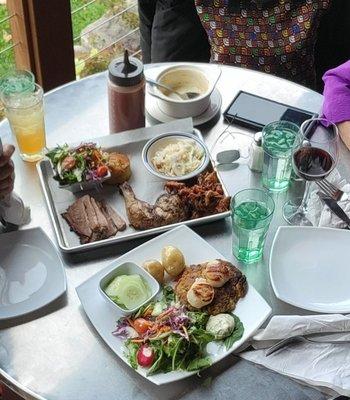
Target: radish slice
145, 356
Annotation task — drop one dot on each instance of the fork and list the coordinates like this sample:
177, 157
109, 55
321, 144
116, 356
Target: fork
300, 338
329, 189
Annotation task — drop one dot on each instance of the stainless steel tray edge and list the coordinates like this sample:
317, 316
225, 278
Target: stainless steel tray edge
49, 204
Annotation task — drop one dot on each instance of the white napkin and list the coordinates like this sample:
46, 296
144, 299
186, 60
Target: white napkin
317, 364
13, 210
319, 214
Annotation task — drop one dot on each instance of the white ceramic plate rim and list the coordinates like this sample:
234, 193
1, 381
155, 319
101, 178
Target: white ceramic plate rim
160, 379
280, 295
30, 309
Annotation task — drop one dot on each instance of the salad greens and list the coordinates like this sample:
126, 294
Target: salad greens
236, 334
175, 337
198, 318
132, 356
168, 294
84, 163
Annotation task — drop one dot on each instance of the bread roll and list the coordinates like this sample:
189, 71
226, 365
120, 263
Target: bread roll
201, 293
119, 166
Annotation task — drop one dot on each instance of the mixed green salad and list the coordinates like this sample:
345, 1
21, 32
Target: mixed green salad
83, 163
164, 336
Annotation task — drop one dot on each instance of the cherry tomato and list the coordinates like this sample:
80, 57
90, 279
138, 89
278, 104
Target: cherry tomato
141, 325
145, 356
102, 170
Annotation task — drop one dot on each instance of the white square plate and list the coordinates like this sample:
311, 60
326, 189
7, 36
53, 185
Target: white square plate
252, 309
310, 268
31, 272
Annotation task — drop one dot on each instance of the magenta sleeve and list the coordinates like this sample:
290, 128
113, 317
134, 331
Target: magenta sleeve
336, 104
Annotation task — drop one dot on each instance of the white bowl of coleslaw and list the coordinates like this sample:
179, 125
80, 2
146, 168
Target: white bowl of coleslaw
175, 156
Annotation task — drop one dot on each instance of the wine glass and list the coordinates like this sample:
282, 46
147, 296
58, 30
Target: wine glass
313, 160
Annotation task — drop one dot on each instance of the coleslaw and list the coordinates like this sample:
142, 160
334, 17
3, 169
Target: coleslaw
179, 158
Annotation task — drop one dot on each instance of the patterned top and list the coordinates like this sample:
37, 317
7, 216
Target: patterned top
277, 39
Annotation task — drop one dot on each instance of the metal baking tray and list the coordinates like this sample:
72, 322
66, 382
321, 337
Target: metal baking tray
145, 185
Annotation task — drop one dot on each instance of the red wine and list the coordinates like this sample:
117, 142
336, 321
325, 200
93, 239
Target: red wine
312, 163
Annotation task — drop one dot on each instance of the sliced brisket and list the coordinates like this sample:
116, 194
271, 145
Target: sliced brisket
93, 220
77, 218
116, 218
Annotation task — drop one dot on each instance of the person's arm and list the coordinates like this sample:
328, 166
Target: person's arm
147, 9
7, 175
344, 132
336, 106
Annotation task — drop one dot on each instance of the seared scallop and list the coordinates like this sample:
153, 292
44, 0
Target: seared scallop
218, 272
201, 293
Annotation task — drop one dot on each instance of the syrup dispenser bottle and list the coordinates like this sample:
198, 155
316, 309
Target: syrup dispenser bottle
126, 94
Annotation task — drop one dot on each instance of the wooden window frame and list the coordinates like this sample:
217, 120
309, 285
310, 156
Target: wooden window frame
43, 31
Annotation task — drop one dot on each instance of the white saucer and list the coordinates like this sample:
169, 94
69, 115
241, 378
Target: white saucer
214, 107
31, 272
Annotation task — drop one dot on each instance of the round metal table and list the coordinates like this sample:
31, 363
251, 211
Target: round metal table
56, 353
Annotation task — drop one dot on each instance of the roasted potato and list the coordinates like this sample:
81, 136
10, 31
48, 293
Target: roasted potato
155, 268
173, 260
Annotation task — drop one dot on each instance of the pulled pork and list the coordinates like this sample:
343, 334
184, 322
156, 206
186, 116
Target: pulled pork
204, 197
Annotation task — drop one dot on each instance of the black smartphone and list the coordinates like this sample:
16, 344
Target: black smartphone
255, 112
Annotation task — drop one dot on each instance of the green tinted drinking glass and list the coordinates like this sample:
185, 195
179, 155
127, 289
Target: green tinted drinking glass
278, 141
18, 81
251, 213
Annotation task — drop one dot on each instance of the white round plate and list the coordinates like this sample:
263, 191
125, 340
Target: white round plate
31, 272
309, 268
214, 107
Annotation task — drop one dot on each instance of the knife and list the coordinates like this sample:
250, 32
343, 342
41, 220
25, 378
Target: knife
335, 208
